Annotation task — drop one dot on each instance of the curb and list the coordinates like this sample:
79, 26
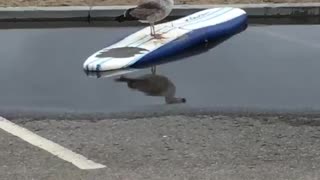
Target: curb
85, 13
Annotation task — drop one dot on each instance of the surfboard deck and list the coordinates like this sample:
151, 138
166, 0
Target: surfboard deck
178, 35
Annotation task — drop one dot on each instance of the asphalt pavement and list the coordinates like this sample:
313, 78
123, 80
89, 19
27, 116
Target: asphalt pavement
170, 147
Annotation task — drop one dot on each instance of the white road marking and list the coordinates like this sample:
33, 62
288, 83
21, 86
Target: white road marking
55, 149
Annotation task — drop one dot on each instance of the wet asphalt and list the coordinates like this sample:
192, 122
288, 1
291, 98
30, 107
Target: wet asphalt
265, 67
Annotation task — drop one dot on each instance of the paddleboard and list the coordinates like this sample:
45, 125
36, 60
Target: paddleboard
140, 47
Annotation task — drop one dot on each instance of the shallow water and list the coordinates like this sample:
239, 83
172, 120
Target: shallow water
262, 67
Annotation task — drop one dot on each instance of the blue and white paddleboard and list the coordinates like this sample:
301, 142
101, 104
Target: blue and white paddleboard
140, 47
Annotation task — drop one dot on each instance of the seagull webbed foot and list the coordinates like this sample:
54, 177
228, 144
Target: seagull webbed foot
158, 36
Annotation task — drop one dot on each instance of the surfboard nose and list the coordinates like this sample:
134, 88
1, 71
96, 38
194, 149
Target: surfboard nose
90, 67
91, 64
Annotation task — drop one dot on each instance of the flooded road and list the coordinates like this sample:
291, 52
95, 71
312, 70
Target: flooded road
273, 67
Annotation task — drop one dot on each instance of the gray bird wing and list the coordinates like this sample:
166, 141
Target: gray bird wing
143, 10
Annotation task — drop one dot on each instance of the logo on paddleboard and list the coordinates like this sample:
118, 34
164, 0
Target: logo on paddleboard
192, 18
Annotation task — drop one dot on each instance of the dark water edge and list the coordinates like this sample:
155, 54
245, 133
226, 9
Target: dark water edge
102, 22
159, 111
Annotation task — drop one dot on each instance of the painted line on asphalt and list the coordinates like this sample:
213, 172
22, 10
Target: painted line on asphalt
51, 147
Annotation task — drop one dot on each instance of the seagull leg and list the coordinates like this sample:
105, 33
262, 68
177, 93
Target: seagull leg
156, 36
153, 70
151, 29
154, 31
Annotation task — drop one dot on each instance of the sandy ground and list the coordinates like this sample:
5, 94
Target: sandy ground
14, 3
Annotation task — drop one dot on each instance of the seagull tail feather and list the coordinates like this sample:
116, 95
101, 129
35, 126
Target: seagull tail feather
126, 16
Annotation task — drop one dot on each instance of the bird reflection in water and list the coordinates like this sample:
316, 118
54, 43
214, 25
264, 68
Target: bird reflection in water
153, 85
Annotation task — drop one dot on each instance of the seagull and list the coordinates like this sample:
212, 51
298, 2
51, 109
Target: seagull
153, 85
148, 11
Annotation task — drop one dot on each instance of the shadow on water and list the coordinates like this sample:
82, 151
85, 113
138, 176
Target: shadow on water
153, 85
150, 84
